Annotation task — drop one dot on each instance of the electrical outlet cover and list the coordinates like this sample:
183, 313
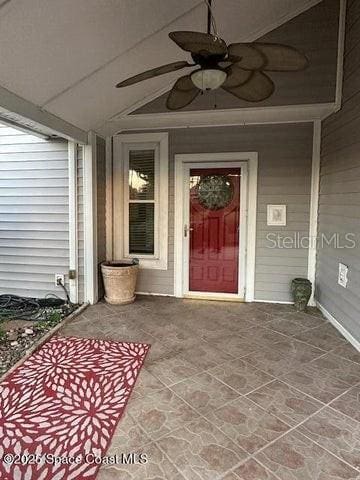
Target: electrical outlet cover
59, 277
343, 275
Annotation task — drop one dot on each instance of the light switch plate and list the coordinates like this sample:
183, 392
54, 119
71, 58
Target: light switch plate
343, 275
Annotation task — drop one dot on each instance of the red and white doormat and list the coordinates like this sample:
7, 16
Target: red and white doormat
59, 409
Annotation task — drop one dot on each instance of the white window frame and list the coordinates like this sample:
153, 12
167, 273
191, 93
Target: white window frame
128, 147
123, 143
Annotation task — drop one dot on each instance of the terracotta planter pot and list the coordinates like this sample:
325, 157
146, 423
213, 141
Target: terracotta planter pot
119, 281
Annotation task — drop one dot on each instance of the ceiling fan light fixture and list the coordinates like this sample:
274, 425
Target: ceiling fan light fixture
208, 78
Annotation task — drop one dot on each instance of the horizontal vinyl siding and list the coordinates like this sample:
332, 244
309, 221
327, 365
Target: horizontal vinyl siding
285, 153
34, 217
339, 210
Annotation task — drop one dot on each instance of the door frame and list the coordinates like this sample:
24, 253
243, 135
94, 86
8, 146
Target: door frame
243, 167
248, 200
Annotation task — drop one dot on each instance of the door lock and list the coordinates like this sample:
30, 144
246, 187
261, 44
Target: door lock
187, 229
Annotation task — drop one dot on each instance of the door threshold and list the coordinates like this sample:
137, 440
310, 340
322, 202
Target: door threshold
218, 297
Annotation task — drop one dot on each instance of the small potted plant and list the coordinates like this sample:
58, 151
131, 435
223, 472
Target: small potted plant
120, 281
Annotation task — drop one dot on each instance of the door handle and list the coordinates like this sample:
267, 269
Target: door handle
187, 229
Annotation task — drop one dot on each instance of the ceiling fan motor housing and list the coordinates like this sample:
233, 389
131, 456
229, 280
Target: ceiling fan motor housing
208, 78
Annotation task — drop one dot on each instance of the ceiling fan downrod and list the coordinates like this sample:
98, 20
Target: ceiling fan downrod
211, 20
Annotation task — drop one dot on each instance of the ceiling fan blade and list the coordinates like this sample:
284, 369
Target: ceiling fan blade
246, 56
281, 58
199, 43
182, 93
154, 72
259, 87
236, 76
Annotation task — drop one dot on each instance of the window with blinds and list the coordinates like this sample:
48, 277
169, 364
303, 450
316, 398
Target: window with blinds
142, 188
141, 198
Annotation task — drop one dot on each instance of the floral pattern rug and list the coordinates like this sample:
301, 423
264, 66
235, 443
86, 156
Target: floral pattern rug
59, 409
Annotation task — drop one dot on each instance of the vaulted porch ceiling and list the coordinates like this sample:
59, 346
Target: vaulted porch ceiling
67, 57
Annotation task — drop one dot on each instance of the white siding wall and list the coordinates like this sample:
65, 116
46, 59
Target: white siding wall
34, 223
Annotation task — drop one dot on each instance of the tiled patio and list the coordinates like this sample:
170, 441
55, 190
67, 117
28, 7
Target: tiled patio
233, 391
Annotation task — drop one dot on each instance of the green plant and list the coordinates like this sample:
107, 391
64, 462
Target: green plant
42, 326
54, 318
51, 320
2, 334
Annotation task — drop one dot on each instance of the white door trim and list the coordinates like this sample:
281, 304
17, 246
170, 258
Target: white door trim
240, 295
109, 198
249, 228
73, 221
90, 221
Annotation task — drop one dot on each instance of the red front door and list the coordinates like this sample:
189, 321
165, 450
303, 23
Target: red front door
214, 230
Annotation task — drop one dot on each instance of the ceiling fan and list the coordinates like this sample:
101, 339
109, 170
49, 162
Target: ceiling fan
237, 68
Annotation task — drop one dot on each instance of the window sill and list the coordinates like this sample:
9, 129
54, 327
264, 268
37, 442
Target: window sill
152, 264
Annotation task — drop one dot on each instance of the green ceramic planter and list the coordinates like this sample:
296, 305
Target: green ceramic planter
301, 289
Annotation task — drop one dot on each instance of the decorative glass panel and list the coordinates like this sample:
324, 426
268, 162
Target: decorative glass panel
141, 174
215, 191
141, 228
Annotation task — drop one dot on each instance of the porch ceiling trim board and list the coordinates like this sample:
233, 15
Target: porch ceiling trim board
227, 117
9, 102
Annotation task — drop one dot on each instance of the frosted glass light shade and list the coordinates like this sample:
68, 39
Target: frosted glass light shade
208, 79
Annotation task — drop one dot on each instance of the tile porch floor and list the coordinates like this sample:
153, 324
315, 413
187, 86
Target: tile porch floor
233, 391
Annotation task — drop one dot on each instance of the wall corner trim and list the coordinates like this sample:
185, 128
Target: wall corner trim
314, 206
90, 220
109, 199
73, 220
354, 342
341, 53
